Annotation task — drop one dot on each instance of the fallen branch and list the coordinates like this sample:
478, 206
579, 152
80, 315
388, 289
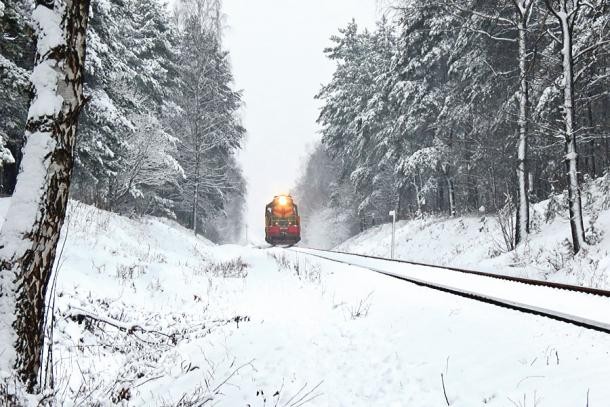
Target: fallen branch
132, 328
79, 315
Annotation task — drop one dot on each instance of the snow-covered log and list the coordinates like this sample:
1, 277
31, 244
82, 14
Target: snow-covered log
30, 234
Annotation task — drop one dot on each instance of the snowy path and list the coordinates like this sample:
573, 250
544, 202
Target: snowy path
393, 354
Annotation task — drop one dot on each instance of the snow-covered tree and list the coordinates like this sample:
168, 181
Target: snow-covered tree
131, 72
150, 169
30, 234
463, 96
327, 204
16, 57
354, 113
207, 124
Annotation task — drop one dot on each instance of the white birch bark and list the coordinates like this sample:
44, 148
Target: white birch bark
29, 236
566, 14
522, 230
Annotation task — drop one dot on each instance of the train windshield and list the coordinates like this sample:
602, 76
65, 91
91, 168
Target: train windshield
283, 206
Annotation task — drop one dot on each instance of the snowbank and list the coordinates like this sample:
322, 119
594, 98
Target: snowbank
477, 242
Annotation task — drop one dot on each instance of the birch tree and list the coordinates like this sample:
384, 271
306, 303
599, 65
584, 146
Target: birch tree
523, 13
566, 12
34, 220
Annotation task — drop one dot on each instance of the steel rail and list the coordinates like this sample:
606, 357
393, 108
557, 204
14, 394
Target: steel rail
500, 302
549, 284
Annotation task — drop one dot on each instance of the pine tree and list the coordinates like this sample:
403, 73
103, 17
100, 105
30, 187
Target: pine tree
16, 57
208, 127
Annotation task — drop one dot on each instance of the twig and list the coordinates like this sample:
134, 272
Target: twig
444, 391
303, 399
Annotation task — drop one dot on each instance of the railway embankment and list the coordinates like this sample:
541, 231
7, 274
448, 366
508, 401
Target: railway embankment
482, 241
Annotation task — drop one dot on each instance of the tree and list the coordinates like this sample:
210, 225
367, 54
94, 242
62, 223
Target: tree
567, 13
523, 12
355, 112
30, 234
130, 74
327, 204
150, 169
16, 58
207, 125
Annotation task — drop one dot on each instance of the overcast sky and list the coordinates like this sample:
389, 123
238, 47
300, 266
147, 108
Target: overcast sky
276, 52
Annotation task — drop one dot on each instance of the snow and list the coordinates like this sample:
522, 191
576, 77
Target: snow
476, 242
6, 157
27, 193
44, 75
48, 24
573, 305
288, 327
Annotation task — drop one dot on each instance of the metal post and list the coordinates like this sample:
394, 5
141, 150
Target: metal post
393, 215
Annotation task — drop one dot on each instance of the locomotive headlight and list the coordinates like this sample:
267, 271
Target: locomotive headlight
283, 201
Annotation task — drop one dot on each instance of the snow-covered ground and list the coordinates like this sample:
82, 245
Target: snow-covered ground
148, 314
477, 242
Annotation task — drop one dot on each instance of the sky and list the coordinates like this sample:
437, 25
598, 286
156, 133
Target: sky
276, 49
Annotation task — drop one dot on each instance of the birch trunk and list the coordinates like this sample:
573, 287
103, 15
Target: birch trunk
575, 204
38, 206
566, 17
523, 221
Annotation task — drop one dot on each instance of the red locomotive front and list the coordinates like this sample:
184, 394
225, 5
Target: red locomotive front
282, 221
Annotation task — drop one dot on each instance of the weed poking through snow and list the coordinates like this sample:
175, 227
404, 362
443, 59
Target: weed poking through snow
234, 268
300, 267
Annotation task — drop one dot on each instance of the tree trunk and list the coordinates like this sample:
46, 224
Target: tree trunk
196, 194
494, 188
592, 164
522, 228
417, 197
566, 21
451, 193
38, 206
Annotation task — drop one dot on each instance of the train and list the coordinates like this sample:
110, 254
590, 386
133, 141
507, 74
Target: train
282, 221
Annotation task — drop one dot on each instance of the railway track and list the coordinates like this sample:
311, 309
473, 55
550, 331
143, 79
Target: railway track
581, 306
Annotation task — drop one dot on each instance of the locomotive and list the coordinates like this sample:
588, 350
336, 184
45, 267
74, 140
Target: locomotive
282, 221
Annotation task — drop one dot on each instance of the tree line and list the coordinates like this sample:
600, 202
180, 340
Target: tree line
451, 106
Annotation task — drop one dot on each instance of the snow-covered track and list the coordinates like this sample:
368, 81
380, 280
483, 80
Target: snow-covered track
581, 306
550, 284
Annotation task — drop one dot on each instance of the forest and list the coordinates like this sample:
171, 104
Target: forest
160, 127
457, 107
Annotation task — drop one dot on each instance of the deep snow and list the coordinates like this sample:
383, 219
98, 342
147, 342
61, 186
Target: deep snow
476, 242
288, 329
